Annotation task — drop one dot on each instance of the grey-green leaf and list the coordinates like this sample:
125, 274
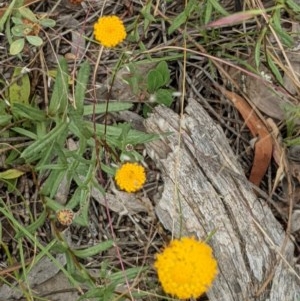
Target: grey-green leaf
47, 22
177, 22
42, 144
17, 46
34, 40
28, 14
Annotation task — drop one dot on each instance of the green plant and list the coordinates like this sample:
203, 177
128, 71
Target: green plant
27, 27
152, 87
60, 147
157, 80
102, 285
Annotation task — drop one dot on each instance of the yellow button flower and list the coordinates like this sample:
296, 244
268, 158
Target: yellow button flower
186, 268
130, 177
109, 31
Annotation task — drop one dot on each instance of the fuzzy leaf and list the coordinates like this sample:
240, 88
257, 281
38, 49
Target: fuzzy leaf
34, 40
28, 14
16, 46
47, 22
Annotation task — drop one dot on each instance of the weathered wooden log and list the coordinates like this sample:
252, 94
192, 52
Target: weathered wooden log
205, 190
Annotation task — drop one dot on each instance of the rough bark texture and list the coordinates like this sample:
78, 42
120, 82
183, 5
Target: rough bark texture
205, 190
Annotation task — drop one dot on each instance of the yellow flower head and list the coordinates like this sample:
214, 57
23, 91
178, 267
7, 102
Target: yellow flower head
186, 268
109, 31
130, 177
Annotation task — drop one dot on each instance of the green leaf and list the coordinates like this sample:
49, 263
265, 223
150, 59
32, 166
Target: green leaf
53, 205
154, 81
285, 38
18, 30
78, 126
80, 89
19, 90
41, 145
16, 46
91, 251
113, 133
24, 132
34, 40
146, 12
11, 174
112, 107
59, 99
274, 69
163, 69
17, 21
177, 22
28, 112
293, 5
28, 14
183, 16
164, 96
258, 47
219, 8
6, 14
208, 12
129, 273
5, 120
47, 22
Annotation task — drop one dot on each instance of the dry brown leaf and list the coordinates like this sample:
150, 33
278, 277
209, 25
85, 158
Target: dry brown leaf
263, 146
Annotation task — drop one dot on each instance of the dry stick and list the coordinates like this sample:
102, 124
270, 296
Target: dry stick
15, 267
